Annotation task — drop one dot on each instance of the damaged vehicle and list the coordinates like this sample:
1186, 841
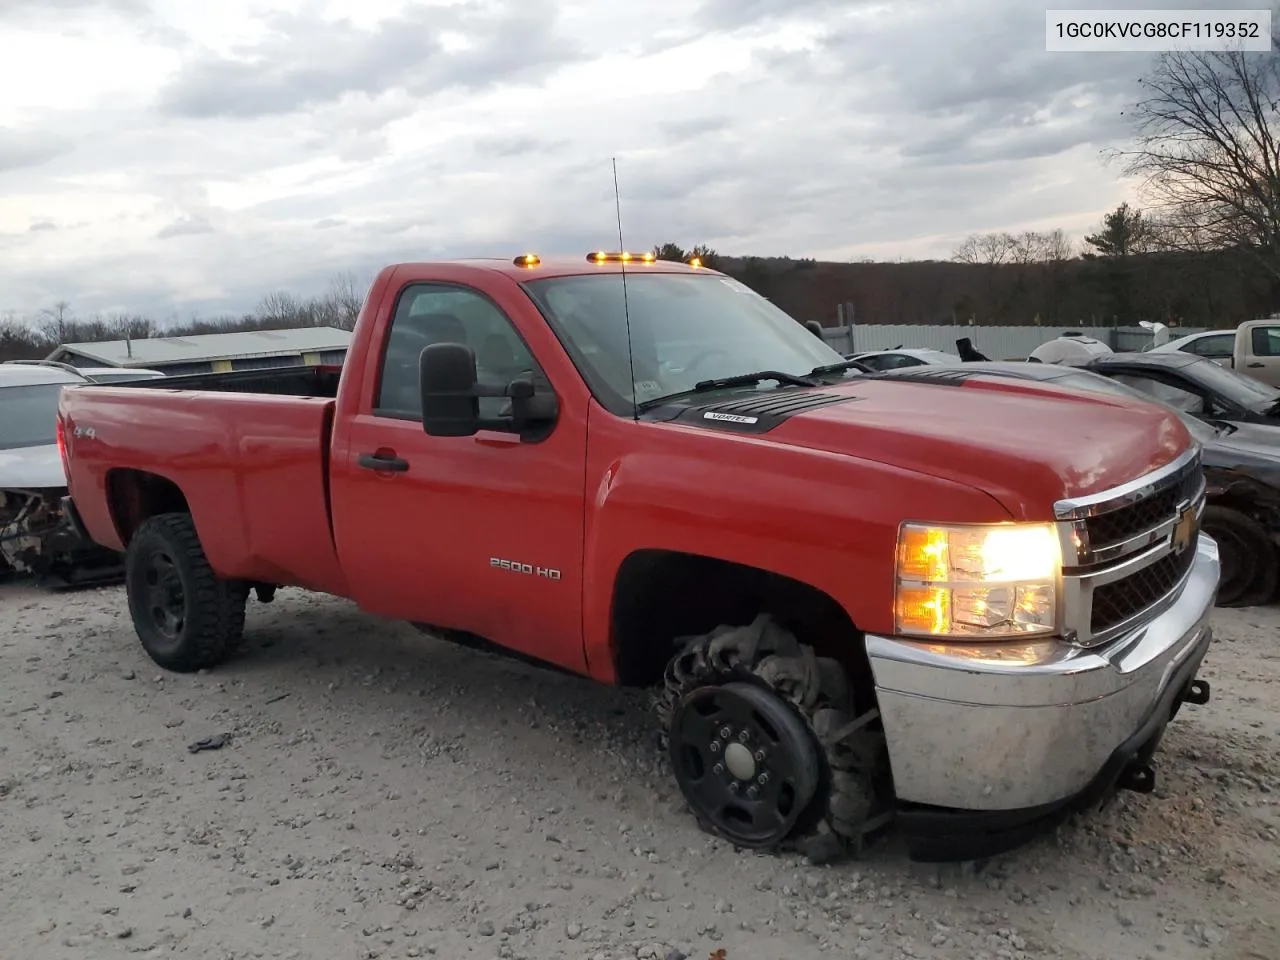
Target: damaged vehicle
35, 538
1241, 462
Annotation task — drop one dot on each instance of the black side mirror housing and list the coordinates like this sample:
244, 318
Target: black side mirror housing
447, 379
531, 410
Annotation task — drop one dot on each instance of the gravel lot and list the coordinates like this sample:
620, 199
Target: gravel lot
387, 795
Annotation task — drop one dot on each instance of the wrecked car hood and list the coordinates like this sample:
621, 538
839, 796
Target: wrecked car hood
31, 468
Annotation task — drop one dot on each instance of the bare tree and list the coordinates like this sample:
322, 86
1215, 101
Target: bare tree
1207, 148
340, 305
986, 248
53, 324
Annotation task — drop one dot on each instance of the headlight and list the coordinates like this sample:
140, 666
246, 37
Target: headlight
984, 581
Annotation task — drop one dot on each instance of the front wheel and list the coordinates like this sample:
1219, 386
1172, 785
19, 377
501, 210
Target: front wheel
186, 617
767, 746
1250, 567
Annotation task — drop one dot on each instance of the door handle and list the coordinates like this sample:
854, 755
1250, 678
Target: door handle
1254, 364
372, 461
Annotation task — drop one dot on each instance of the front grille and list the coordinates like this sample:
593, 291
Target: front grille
1120, 600
1130, 558
1117, 526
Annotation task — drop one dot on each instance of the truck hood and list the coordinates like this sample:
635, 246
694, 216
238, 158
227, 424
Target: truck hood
1025, 443
31, 468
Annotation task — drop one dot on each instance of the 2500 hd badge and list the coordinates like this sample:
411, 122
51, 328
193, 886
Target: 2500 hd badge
528, 569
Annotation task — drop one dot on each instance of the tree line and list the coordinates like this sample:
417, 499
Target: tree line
1203, 250
338, 306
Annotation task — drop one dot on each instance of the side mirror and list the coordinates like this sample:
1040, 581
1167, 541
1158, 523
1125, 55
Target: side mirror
447, 379
528, 407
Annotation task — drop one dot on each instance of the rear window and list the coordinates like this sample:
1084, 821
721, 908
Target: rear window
29, 415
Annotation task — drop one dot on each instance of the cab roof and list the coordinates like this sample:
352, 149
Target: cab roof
558, 266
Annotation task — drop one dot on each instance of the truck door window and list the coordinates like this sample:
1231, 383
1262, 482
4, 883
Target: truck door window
428, 313
1265, 341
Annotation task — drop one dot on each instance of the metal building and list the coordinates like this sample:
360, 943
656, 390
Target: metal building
214, 352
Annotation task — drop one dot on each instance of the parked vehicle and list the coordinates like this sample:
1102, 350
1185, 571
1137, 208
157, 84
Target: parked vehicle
1252, 349
96, 374
1193, 385
902, 357
34, 537
1242, 471
1069, 347
972, 611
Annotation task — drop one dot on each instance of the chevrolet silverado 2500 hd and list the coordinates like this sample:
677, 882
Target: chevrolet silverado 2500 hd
969, 608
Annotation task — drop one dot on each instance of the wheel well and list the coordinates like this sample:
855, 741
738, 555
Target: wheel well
135, 495
661, 595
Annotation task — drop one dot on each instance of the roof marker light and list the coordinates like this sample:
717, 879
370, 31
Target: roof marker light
621, 256
527, 260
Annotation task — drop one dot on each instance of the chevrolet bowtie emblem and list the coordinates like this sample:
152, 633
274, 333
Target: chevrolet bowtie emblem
1184, 531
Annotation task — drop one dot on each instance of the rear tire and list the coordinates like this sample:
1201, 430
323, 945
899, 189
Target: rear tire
186, 617
1250, 567
835, 758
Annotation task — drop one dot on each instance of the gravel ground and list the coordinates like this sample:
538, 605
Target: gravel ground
387, 795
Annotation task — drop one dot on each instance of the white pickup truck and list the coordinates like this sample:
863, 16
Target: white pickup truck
1253, 348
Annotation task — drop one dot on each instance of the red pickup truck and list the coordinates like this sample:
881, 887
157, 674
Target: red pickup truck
971, 605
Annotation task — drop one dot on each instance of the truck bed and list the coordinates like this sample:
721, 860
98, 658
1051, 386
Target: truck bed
248, 452
299, 381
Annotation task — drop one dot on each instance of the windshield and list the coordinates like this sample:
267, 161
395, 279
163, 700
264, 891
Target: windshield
1202, 432
29, 415
685, 328
1245, 391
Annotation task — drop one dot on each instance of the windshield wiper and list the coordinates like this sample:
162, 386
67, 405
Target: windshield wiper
840, 367
738, 380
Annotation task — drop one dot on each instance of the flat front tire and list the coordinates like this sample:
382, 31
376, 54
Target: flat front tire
767, 746
186, 617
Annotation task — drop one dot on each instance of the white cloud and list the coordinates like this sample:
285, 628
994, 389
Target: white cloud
174, 156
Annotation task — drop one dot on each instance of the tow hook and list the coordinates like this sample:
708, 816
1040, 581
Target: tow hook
1197, 692
1138, 777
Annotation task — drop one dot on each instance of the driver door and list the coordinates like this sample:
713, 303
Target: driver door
481, 533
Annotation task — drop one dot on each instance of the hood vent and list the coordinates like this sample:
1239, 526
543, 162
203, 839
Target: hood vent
760, 413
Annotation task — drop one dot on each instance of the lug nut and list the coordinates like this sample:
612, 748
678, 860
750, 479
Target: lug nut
762, 779
753, 792
733, 786
744, 736
715, 746
718, 769
759, 756
726, 732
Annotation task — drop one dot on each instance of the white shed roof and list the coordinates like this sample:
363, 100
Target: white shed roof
158, 351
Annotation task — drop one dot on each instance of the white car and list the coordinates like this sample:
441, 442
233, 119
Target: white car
34, 534
94, 374
902, 357
1215, 345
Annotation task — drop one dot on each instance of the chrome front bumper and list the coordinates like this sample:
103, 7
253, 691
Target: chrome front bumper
1005, 727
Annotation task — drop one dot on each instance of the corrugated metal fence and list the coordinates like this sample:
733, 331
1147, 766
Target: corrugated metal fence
998, 343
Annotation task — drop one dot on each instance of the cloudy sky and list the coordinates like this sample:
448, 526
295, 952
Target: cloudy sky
175, 157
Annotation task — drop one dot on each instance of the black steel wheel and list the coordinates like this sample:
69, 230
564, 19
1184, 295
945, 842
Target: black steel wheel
745, 762
186, 617
833, 788
1249, 562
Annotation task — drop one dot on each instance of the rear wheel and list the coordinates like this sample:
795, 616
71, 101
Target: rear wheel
186, 617
1250, 567
767, 746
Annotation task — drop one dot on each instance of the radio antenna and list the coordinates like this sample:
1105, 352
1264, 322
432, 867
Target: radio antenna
626, 308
